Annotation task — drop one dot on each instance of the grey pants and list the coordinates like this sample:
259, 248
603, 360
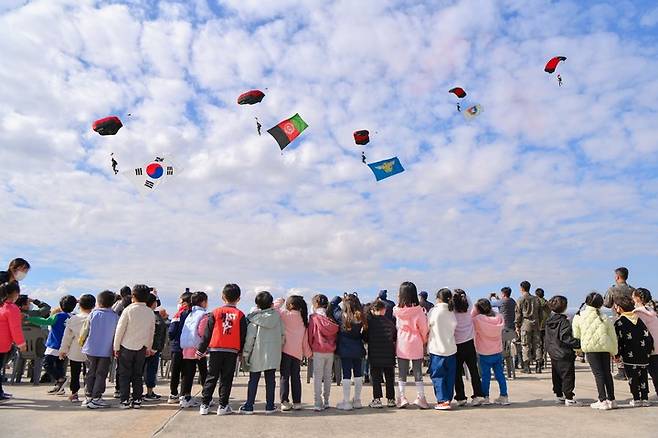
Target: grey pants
417, 367
98, 367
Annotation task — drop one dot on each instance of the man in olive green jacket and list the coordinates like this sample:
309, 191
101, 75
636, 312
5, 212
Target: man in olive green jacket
527, 326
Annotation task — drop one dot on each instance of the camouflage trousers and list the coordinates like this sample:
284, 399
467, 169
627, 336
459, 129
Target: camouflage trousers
531, 346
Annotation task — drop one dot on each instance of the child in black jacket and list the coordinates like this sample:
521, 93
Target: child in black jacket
635, 347
560, 345
381, 336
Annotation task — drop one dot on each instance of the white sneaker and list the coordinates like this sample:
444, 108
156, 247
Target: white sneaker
356, 404
486, 401
344, 406
173, 399
599, 405
477, 401
100, 402
612, 404
503, 400
376, 404
286, 406
559, 400
318, 408
573, 402
203, 409
646, 403
635, 403
191, 403
462, 403
297, 407
226, 410
85, 402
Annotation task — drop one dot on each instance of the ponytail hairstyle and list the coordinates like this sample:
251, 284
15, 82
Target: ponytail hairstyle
483, 306
644, 295
594, 299
460, 300
8, 289
320, 301
445, 296
353, 312
408, 295
296, 302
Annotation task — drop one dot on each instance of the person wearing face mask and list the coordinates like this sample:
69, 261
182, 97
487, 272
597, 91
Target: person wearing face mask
17, 271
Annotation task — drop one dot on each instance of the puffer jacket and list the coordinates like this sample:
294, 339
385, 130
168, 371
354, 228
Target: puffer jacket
190, 337
70, 344
412, 331
350, 342
595, 331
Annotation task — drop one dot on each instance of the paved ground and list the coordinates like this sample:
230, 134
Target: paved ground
532, 414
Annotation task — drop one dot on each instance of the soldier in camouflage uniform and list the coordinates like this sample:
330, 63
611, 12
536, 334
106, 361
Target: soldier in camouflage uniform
544, 313
620, 288
527, 325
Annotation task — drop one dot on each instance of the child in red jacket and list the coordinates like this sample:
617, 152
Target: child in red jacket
322, 333
11, 331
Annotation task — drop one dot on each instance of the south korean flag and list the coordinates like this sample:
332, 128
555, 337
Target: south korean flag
148, 177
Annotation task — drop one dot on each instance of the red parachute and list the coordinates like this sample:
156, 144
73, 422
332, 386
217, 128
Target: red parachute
551, 65
251, 97
362, 137
459, 92
107, 125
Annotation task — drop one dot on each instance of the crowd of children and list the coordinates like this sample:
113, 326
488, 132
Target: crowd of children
452, 335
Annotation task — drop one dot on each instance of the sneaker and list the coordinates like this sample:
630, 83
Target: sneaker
403, 402
224, 410
571, 403
318, 408
61, 390
54, 390
503, 400
152, 397
85, 402
173, 399
646, 403
443, 406
297, 407
91, 405
270, 411
73, 398
344, 406
189, 403
125, 405
244, 411
376, 404
137, 404
5, 396
117, 394
356, 404
486, 401
477, 401
421, 402
559, 400
601, 405
286, 406
101, 403
462, 403
390, 403
203, 409
612, 404
635, 403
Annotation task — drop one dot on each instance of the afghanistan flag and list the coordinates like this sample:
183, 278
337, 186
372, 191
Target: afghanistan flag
472, 112
385, 168
288, 130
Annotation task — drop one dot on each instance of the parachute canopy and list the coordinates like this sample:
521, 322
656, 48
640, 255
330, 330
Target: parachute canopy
107, 125
251, 97
552, 63
459, 92
362, 137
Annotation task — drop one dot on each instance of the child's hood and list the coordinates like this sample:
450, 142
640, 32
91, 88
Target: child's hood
268, 318
409, 313
325, 324
554, 321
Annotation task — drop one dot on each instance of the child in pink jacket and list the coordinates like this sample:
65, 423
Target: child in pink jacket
411, 322
322, 334
295, 346
489, 345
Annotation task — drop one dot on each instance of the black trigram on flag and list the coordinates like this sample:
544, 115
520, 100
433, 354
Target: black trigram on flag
170, 170
149, 184
138, 172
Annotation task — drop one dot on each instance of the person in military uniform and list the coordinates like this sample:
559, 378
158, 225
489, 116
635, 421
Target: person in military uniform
527, 326
544, 313
620, 288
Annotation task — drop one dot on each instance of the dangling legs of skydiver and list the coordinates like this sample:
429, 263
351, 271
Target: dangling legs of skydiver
258, 125
363, 157
459, 107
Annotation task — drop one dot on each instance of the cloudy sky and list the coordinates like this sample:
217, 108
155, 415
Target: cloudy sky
556, 185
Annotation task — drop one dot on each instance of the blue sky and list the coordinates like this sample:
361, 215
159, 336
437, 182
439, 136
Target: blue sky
555, 185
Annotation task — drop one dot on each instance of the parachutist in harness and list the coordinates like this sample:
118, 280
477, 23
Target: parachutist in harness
559, 80
459, 107
114, 164
363, 157
258, 125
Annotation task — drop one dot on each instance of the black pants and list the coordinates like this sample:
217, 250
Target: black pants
131, 366
653, 370
99, 367
466, 355
564, 377
600, 365
221, 368
54, 366
189, 371
638, 380
202, 366
76, 370
176, 370
379, 375
290, 377
2, 364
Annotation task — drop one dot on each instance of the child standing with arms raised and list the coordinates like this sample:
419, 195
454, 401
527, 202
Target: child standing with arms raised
412, 329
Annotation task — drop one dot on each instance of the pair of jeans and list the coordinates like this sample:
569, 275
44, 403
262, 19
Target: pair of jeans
495, 362
176, 369
131, 372
98, 368
252, 389
322, 368
379, 375
351, 365
54, 366
416, 367
151, 370
600, 364
638, 380
221, 368
466, 354
563, 377
76, 370
290, 379
442, 371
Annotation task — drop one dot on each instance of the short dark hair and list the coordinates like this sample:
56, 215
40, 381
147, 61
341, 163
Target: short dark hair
558, 304
320, 301
483, 306
199, 298
141, 292
22, 300
540, 292
87, 302
7, 289
263, 300
625, 302
125, 292
408, 295
186, 297
622, 272
19, 263
643, 294
506, 291
153, 298
594, 299
460, 300
525, 286
422, 294
67, 303
377, 305
106, 299
231, 292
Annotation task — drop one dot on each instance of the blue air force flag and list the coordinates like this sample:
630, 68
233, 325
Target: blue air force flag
152, 174
385, 168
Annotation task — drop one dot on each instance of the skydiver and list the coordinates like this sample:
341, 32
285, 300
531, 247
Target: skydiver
459, 107
258, 125
363, 157
559, 80
114, 164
